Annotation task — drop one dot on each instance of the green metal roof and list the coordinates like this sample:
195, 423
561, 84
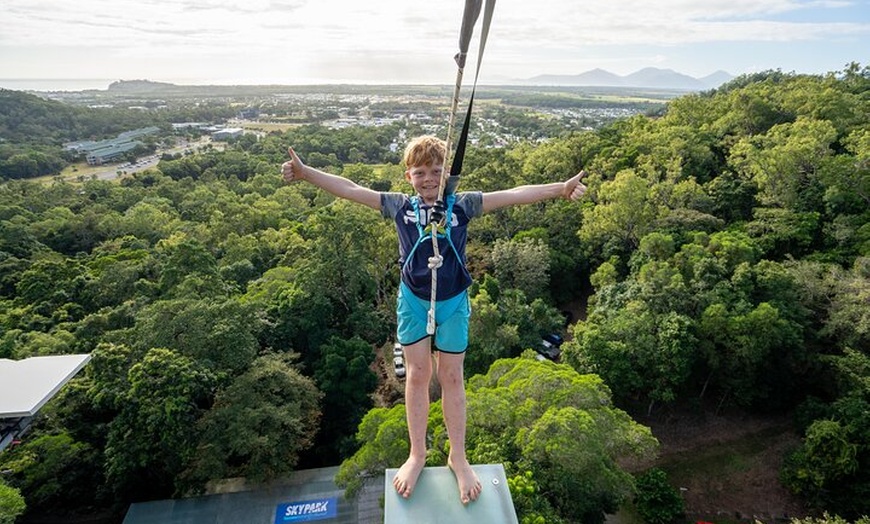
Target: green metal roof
307, 496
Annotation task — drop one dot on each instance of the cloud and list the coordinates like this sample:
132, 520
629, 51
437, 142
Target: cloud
252, 6
667, 22
384, 24
404, 38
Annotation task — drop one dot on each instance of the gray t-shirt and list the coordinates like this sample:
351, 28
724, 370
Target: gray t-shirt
453, 277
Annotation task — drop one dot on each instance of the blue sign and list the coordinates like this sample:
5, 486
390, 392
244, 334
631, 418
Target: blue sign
307, 510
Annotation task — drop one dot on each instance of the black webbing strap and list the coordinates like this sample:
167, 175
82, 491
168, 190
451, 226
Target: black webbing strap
472, 11
469, 17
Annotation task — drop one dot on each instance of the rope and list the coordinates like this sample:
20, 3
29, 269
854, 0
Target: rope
472, 11
469, 18
430, 316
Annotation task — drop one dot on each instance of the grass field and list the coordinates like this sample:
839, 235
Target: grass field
268, 127
73, 173
727, 468
82, 169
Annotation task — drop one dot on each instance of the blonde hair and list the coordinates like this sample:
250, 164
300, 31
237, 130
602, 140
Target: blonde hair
425, 150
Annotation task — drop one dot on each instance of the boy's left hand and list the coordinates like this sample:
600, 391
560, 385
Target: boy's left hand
574, 189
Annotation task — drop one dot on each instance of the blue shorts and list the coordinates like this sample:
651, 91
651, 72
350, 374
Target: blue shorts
451, 320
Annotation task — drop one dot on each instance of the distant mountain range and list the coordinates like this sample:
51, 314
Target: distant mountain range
649, 77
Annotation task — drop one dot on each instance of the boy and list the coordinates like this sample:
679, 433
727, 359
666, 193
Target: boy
424, 159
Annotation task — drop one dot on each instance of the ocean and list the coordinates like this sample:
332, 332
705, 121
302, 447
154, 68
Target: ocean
55, 84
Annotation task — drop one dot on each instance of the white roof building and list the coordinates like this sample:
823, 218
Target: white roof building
26, 385
226, 133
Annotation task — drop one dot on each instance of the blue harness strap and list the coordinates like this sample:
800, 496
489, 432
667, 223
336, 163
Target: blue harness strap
424, 237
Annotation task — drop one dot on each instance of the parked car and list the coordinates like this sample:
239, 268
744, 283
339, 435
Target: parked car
399, 367
554, 338
548, 350
397, 350
549, 346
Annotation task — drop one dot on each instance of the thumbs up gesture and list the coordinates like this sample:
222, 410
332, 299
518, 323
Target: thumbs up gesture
574, 189
293, 169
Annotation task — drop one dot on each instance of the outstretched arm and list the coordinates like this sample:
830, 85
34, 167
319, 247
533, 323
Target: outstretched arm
294, 170
572, 189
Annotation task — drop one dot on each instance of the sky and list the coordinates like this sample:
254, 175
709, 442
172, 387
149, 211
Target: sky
413, 41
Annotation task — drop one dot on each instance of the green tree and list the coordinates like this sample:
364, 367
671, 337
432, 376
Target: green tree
351, 264
19, 166
826, 458
829, 469
528, 502
344, 375
490, 338
522, 265
36, 343
849, 318
181, 168
188, 267
657, 501
847, 195
531, 416
828, 518
48, 283
733, 197
606, 274
643, 355
560, 425
221, 334
785, 161
259, 425
750, 350
569, 265
783, 232
12, 504
114, 271
154, 436
622, 216
852, 182
151, 219
55, 471
553, 160
383, 439
749, 106
504, 327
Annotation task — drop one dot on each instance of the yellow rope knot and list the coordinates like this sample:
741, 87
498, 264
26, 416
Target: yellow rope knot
439, 229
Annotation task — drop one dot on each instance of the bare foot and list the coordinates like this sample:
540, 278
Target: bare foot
466, 478
406, 477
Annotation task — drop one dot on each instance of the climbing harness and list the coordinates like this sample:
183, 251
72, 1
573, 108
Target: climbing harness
433, 231
448, 184
424, 236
